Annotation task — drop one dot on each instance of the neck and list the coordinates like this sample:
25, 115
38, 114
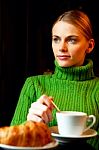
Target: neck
80, 73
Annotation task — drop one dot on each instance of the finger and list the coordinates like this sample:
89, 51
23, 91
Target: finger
52, 106
47, 116
37, 115
42, 111
45, 100
37, 105
34, 118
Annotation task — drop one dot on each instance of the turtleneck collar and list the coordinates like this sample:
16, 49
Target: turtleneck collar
79, 73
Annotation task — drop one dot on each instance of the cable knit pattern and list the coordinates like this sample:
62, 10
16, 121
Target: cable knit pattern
73, 88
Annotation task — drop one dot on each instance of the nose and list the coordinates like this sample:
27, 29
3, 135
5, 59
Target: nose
63, 47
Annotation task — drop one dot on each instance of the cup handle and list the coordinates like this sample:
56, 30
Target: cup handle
92, 123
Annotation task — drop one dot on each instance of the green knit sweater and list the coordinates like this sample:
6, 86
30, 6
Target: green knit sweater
73, 88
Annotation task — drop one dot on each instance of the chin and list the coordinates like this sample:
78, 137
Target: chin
65, 65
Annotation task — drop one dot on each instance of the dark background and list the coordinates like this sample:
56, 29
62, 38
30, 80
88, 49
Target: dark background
25, 43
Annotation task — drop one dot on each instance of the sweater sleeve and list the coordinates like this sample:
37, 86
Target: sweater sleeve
27, 96
95, 141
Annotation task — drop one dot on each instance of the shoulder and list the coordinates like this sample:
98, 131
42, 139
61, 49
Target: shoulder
96, 85
36, 78
96, 81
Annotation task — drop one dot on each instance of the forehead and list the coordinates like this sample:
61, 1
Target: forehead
65, 28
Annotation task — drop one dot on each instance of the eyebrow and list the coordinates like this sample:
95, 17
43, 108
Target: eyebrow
70, 36
55, 36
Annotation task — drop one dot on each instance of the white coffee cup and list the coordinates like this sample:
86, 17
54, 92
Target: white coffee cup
73, 123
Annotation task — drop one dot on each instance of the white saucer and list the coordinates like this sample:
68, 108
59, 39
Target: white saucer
64, 139
51, 145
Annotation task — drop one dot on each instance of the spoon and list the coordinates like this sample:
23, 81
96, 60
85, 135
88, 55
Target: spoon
55, 106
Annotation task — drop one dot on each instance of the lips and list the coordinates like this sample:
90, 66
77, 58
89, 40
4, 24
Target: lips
63, 57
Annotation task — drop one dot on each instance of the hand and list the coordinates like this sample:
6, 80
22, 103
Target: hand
41, 110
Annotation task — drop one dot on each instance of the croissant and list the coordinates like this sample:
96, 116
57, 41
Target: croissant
30, 134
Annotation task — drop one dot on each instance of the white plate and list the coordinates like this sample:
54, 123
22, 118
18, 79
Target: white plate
64, 139
48, 146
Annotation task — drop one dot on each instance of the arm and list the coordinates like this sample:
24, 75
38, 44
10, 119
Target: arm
27, 96
30, 107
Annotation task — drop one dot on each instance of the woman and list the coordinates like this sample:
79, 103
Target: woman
73, 85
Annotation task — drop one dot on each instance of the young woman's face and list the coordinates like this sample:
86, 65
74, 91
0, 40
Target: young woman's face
69, 44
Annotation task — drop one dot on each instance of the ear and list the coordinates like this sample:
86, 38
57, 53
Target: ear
90, 46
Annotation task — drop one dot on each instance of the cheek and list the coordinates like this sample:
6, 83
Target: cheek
54, 48
78, 50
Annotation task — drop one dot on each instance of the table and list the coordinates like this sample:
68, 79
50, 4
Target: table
75, 146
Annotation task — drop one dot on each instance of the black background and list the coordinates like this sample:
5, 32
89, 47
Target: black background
25, 43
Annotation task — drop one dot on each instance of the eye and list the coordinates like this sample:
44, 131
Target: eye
72, 40
56, 39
